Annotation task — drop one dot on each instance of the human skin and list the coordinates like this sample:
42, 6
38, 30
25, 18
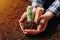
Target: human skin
43, 19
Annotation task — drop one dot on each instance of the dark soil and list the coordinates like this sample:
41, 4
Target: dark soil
30, 25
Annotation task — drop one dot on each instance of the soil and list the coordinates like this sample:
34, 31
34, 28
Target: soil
30, 25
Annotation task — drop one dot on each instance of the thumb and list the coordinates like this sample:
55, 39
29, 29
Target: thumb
23, 17
43, 17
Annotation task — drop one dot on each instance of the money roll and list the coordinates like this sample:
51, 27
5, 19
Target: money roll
30, 15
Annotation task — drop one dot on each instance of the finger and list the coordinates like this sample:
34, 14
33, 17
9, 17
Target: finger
42, 25
23, 17
24, 32
31, 31
39, 26
34, 11
21, 26
38, 14
43, 19
27, 31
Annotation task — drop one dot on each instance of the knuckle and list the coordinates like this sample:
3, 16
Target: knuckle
40, 8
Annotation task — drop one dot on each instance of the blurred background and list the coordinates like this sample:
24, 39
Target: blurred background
10, 13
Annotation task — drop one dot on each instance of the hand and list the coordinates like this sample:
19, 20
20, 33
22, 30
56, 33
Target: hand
39, 27
43, 23
24, 17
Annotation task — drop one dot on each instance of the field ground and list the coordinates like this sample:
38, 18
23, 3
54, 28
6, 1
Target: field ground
10, 13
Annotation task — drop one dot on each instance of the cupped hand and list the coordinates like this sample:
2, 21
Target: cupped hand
40, 28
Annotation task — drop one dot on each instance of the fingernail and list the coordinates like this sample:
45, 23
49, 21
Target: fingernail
25, 32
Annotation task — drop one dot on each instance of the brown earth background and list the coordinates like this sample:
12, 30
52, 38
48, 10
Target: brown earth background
10, 13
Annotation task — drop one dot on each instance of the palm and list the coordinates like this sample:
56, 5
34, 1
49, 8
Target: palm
40, 28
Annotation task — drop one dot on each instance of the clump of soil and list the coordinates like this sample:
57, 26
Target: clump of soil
30, 25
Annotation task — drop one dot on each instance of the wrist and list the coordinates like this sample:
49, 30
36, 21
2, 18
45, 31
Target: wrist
49, 15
